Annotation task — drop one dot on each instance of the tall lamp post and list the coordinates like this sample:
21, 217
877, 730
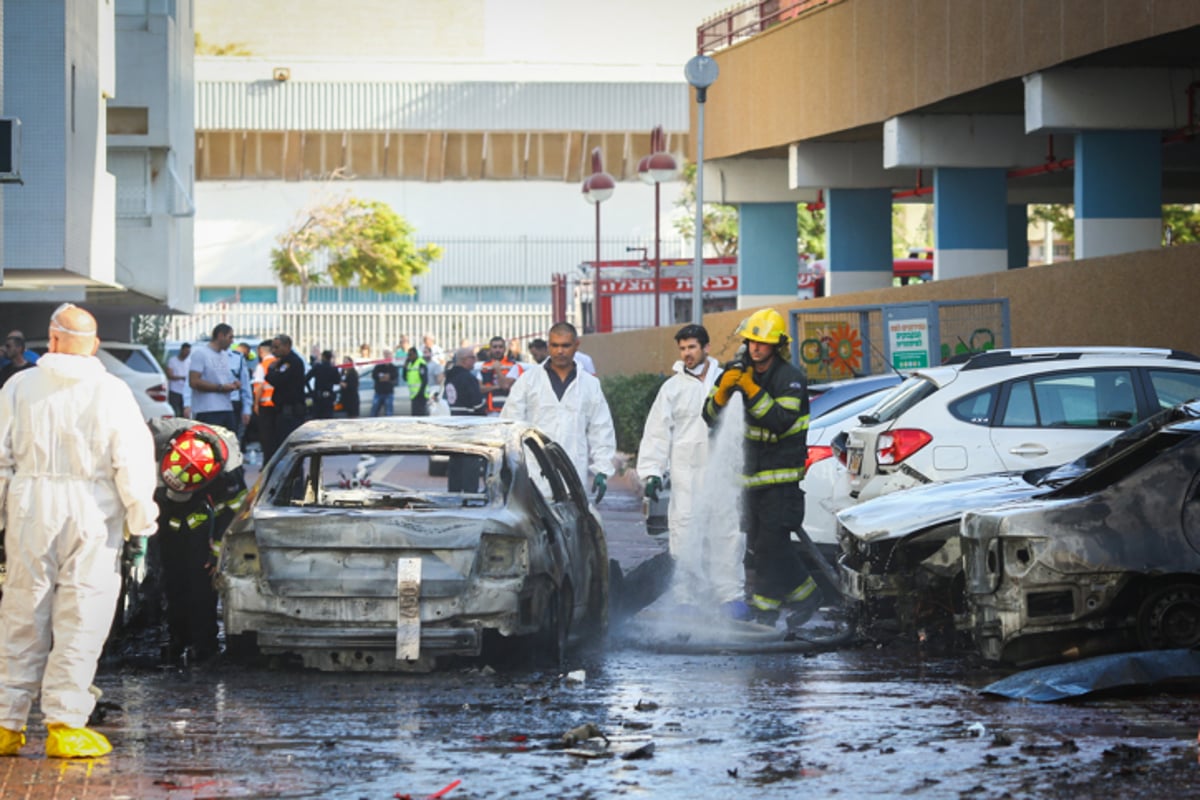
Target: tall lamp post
701, 72
655, 168
597, 188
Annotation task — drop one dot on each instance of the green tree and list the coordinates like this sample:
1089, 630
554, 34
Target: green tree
720, 221
1061, 218
810, 230
1181, 224
349, 242
204, 48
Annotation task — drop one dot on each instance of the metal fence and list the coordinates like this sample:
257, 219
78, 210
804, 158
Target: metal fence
343, 327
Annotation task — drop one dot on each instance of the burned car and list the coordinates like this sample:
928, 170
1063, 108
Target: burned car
901, 565
353, 556
1110, 561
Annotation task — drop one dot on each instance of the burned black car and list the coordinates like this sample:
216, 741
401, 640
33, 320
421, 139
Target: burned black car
901, 566
1110, 561
353, 556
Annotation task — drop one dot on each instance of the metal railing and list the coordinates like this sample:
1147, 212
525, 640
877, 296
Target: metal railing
750, 19
344, 327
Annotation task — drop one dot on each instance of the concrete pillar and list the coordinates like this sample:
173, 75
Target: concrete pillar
767, 254
1118, 192
858, 240
970, 208
1018, 236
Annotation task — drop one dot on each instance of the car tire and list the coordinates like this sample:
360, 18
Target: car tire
1170, 618
550, 643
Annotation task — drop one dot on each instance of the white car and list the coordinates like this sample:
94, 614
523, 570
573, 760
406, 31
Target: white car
136, 365
1009, 410
824, 478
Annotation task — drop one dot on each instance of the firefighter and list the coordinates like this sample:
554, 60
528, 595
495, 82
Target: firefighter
201, 488
776, 416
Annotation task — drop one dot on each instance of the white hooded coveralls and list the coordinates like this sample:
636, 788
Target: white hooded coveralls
675, 437
76, 468
580, 423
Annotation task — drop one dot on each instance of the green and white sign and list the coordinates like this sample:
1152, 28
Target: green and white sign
909, 342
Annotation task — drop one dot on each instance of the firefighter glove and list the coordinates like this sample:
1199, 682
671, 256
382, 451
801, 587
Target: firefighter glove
600, 485
653, 487
746, 384
135, 557
726, 385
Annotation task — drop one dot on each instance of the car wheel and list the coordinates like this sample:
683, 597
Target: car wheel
1170, 618
550, 643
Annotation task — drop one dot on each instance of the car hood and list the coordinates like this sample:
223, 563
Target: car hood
898, 514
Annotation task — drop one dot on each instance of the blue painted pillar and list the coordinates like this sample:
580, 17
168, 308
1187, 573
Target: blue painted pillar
970, 221
1018, 236
858, 240
767, 254
1118, 192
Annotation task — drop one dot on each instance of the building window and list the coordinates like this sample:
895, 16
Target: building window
496, 294
131, 168
218, 294
238, 294
258, 294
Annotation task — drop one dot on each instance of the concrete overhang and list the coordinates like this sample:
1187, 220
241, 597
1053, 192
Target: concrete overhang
752, 180
1107, 98
843, 165
963, 140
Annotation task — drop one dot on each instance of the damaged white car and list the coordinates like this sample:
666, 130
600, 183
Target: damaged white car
351, 555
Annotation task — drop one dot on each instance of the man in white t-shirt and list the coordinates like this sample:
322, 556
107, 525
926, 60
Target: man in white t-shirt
212, 380
179, 394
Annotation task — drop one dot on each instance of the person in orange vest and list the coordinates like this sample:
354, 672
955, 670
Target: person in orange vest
493, 374
264, 402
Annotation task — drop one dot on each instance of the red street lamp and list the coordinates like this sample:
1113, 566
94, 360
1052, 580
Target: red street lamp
655, 168
597, 188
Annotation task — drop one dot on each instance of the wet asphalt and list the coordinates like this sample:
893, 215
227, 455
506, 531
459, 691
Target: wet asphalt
866, 721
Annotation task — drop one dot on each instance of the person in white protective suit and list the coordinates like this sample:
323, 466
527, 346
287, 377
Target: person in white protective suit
707, 561
567, 404
76, 471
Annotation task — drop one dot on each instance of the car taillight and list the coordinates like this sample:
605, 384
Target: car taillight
817, 453
895, 446
158, 393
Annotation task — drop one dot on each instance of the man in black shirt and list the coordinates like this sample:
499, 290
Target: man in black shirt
286, 374
14, 349
323, 380
462, 387
349, 394
385, 375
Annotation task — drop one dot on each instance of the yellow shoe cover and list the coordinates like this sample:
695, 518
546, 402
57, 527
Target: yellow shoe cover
10, 741
64, 742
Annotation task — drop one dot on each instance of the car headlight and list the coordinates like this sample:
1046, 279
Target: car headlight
503, 556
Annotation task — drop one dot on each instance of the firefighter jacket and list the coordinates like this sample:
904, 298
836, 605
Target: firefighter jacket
776, 426
490, 374
210, 509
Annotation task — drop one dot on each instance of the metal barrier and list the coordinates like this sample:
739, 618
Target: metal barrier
749, 19
837, 343
343, 327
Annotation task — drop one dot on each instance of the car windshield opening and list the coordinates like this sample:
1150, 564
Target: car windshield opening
393, 479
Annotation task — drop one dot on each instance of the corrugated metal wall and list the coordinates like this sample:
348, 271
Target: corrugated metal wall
474, 106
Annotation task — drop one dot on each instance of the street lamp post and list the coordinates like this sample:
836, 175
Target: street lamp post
655, 168
597, 188
700, 71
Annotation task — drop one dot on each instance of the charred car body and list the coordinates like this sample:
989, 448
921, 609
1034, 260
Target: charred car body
902, 563
351, 555
1110, 561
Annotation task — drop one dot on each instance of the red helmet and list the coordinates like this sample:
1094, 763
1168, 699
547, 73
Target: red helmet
193, 459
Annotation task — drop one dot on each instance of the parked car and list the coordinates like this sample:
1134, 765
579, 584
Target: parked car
136, 365
1011, 410
1109, 561
825, 474
353, 557
901, 562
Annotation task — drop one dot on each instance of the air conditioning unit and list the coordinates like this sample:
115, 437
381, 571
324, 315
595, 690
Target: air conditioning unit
10, 150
